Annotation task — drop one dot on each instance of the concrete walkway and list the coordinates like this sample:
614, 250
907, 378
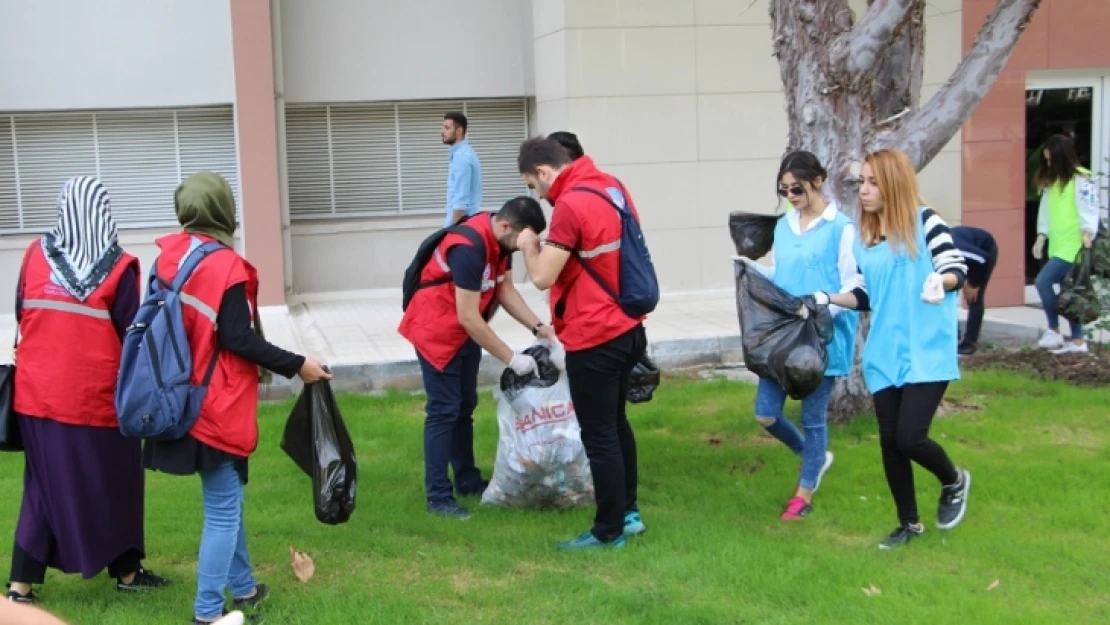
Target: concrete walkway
356, 333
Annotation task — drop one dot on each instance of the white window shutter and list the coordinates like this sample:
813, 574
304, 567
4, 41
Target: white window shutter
423, 154
364, 159
51, 149
138, 165
9, 192
140, 156
207, 143
308, 161
496, 130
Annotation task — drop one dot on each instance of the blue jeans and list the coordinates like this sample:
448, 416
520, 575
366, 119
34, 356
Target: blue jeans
769, 401
223, 561
1051, 275
449, 426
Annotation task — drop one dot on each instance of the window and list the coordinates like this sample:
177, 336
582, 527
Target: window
365, 160
140, 156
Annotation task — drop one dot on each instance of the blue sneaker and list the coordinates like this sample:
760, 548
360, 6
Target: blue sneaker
589, 541
633, 524
449, 509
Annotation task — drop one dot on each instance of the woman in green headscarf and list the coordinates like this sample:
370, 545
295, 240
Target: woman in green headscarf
221, 317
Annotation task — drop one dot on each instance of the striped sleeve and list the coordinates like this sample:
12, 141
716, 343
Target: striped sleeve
938, 238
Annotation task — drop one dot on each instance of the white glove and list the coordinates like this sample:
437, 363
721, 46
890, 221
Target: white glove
522, 364
822, 298
1038, 247
933, 290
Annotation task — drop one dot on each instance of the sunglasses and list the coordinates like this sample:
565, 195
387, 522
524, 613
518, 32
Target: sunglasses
792, 191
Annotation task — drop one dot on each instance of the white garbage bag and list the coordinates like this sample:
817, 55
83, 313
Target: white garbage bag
541, 462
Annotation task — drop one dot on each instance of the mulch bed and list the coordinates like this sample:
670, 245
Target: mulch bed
1089, 369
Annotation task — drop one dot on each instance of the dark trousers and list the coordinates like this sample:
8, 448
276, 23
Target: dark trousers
449, 425
598, 380
27, 570
975, 310
905, 414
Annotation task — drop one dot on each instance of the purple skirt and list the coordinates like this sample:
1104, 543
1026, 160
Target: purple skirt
82, 496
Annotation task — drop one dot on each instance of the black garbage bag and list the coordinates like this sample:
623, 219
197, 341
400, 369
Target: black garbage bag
546, 374
317, 440
778, 344
752, 234
1078, 298
645, 379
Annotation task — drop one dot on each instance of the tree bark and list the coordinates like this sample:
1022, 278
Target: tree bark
853, 88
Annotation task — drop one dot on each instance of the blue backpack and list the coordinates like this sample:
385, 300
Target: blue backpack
638, 288
155, 398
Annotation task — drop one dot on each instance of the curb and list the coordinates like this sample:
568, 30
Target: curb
670, 354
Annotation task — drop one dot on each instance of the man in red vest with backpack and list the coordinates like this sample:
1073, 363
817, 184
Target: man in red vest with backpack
447, 312
602, 285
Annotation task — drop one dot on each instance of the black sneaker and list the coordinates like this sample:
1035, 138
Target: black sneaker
953, 502
27, 599
902, 535
449, 509
262, 592
966, 349
144, 580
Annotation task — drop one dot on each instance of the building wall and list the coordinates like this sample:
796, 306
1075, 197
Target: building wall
111, 54
1063, 35
682, 100
58, 54
367, 50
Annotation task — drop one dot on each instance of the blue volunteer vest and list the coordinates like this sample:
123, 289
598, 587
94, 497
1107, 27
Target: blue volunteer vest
910, 341
808, 263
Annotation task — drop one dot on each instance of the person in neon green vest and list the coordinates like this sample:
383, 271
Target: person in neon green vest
1068, 218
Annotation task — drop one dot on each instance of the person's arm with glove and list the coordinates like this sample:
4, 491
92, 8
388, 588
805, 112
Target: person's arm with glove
467, 265
949, 266
1042, 227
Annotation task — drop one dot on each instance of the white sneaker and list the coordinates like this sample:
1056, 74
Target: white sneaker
1051, 340
824, 469
1071, 348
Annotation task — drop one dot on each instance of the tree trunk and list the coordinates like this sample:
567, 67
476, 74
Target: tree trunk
855, 87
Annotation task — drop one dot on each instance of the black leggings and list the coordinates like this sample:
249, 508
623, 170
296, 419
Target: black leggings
905, 414
27, 570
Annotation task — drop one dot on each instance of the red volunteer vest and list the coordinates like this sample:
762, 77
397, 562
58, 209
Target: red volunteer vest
69, 353
431, 322
228, 418
582, 313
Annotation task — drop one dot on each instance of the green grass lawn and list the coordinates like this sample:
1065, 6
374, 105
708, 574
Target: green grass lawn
711, 491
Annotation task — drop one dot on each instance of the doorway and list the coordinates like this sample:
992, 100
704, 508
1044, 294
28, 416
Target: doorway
1073, 105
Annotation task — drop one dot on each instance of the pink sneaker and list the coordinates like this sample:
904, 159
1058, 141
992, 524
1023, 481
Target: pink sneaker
796, 508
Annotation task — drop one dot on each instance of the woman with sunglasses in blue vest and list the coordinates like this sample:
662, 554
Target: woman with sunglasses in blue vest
812, 252
910, 272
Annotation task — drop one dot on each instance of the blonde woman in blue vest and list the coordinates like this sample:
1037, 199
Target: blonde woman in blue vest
909, 274
1068, 217
812, 252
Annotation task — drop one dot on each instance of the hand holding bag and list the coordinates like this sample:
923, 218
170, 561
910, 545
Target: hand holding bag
9, 428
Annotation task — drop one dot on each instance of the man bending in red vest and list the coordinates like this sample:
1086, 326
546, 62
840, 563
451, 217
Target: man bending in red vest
448, 324
603, 344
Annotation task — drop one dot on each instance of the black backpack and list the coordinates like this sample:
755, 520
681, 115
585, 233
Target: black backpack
424, 254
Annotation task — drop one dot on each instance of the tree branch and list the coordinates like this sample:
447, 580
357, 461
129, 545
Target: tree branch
935, 123
874, 33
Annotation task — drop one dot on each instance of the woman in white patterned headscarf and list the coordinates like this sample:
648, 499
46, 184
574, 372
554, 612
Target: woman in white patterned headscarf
82, 506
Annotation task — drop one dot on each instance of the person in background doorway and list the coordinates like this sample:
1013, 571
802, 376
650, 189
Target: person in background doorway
83, 483
464, 170
1068, 216
812, 252
222, 322
981, 253
568, 140
448, 324
910, 271
603, 343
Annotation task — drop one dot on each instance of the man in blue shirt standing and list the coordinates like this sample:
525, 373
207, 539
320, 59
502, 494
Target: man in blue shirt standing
464, 172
